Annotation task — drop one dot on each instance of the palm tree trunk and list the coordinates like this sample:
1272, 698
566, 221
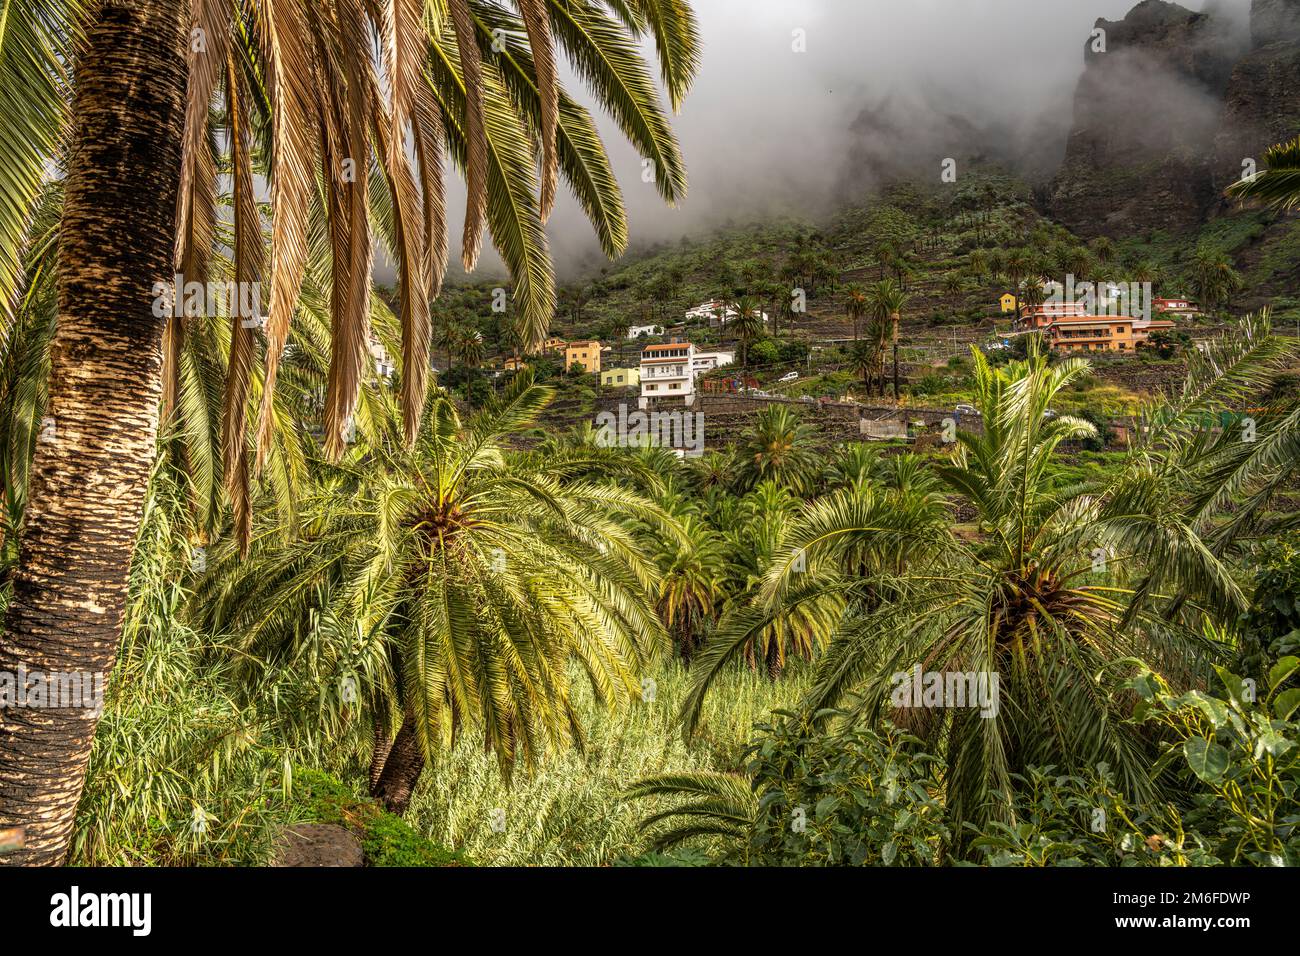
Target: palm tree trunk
383, 746
895, 318
401, 771
775, 665
88, 483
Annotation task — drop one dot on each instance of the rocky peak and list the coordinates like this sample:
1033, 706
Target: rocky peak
1274, 20
1148, 113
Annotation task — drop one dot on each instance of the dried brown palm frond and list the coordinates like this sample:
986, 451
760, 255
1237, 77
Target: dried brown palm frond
324, 101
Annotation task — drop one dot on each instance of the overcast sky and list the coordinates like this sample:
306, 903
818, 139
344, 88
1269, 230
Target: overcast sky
766, 129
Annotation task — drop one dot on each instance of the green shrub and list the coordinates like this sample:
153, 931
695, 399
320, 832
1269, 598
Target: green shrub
852, 798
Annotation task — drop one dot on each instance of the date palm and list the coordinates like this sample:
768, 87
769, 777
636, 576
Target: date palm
86, 488
855, 305
454, 584
748, 323
778, 447
1214, 280
886, 303
863, 358
172, 100
691, 568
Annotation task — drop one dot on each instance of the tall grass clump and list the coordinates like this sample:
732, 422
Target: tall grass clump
570, 812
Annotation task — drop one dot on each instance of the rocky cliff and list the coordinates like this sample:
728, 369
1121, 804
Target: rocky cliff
1262, 101
1148, 110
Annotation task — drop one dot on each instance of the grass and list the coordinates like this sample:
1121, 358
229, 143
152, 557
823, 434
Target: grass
570, 813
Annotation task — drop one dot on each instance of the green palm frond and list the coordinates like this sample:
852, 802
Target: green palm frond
37, 41
1279, 184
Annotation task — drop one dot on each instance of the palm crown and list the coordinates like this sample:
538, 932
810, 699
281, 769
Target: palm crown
455, 583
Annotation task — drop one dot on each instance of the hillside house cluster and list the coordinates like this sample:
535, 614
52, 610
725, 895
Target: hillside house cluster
717, 313
1068, 327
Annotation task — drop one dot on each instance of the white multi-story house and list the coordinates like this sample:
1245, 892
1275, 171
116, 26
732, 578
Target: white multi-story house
667, 371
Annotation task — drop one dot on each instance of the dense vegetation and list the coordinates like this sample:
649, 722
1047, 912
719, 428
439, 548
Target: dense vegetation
417, 609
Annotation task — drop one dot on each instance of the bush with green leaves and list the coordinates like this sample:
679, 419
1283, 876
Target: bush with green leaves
1062, 820
1242, 748
857, 797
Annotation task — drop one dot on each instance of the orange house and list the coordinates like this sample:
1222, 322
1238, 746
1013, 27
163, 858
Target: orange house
586, 354
1101, 333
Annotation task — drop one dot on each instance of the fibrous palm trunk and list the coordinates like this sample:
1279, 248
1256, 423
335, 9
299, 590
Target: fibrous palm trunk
401, 771
90, 473
383, 746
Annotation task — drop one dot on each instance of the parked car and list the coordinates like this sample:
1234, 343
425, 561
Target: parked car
964, 409
789, 376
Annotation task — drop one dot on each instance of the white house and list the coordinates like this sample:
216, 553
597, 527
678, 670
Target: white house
717, 313
667, 371
384, 365
707, 312
644, 331
708, 361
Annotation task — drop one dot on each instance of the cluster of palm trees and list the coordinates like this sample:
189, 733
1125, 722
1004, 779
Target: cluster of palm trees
881, 305
362, 534
462, 341
1055, 589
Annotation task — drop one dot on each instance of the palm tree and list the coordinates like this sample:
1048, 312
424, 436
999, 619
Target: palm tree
691, 567
1214, 280
1031, 293
454, 583
141, 201
1104, 249
88, 480
1062, 586
863, 358
887, 302
1279, 184
748, 324
779, 447
757, 532
1017, 266
855, 305
1080, 263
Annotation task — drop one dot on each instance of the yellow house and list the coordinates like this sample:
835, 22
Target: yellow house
1008, 302
553, 344
513, 364
620, 377
586, 354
